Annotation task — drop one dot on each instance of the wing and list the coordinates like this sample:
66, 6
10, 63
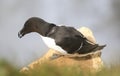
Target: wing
70, 44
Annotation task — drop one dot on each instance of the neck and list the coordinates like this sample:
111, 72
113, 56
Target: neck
49, 29
45, 29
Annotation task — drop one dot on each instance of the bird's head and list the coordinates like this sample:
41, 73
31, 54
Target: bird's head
34, 24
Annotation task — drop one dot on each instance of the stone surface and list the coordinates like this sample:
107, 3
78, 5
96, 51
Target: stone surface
91, 61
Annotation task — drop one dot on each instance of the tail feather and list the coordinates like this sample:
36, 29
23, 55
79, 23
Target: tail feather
90, 48
99, 47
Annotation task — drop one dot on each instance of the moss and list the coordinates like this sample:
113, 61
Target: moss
51, 70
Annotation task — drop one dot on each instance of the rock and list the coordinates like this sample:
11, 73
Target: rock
88, 62
87, 33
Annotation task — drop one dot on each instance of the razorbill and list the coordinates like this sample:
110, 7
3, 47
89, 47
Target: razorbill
61, 38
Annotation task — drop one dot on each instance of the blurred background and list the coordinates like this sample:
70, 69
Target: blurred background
102, 16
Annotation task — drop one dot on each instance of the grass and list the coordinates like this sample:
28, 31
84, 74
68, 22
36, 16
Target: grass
50, 70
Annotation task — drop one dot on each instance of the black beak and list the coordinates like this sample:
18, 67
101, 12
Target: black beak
20, 35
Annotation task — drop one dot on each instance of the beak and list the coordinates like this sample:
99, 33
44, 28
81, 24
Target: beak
20, 35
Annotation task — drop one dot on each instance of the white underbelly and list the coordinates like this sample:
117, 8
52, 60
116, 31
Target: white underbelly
51, 44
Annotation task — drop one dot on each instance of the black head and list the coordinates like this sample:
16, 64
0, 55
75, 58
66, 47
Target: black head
35, 24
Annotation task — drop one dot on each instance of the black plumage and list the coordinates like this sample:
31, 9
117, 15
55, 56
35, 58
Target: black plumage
68, 38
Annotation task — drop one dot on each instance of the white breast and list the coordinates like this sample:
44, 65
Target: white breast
51, 44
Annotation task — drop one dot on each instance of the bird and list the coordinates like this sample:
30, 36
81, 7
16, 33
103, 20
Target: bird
64, 39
